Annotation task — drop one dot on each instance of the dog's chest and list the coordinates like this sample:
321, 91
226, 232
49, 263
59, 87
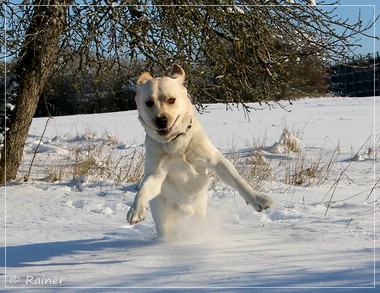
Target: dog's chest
188, 163
185, 178
177, 146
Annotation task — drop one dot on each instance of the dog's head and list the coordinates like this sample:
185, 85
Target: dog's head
165, 110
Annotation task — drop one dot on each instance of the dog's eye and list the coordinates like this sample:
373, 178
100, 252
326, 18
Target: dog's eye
171, 101
149, 104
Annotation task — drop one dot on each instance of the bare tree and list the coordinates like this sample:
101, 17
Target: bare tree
235, 51
34, 65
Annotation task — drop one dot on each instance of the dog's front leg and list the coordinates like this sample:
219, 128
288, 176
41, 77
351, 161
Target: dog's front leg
226, 171
150, 188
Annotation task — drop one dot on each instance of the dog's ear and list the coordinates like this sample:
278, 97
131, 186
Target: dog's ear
178, 72
144, 77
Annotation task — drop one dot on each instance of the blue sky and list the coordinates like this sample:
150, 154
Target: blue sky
350, 9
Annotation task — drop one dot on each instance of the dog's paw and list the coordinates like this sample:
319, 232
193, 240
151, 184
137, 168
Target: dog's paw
135, 215
259, 202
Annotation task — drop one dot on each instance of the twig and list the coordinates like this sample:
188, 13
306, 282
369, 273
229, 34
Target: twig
372, 189
332, 194
349, 222
340, 177
26, 177
355, 195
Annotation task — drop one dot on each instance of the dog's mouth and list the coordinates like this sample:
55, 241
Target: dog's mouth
167, 131
164, 132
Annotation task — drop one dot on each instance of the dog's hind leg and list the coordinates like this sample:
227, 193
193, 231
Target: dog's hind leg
164, 215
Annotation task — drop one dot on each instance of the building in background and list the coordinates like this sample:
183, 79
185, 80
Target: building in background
357, 78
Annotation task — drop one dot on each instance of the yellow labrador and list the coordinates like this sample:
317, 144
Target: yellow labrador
178, 157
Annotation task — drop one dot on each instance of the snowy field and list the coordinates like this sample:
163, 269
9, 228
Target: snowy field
71, 234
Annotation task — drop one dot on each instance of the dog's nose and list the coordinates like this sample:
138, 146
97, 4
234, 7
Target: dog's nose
162, 122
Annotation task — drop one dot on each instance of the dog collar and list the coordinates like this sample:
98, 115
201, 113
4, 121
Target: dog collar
187, 129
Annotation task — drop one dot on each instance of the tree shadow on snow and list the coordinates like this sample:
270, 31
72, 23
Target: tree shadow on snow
33, 254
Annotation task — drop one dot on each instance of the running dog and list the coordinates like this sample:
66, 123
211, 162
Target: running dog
179, 156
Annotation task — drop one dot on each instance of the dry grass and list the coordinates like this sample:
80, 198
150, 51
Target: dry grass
289, 142
309, 172
256, 169
98, 161
251, 165
293, 167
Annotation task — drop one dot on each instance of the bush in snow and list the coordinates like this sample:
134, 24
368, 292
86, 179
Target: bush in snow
288, 143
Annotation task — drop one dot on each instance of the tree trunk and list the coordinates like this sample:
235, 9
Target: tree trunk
35, 64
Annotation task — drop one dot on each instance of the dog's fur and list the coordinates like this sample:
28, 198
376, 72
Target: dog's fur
178, 157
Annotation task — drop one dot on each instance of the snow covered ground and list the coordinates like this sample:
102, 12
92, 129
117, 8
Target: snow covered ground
71, 235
